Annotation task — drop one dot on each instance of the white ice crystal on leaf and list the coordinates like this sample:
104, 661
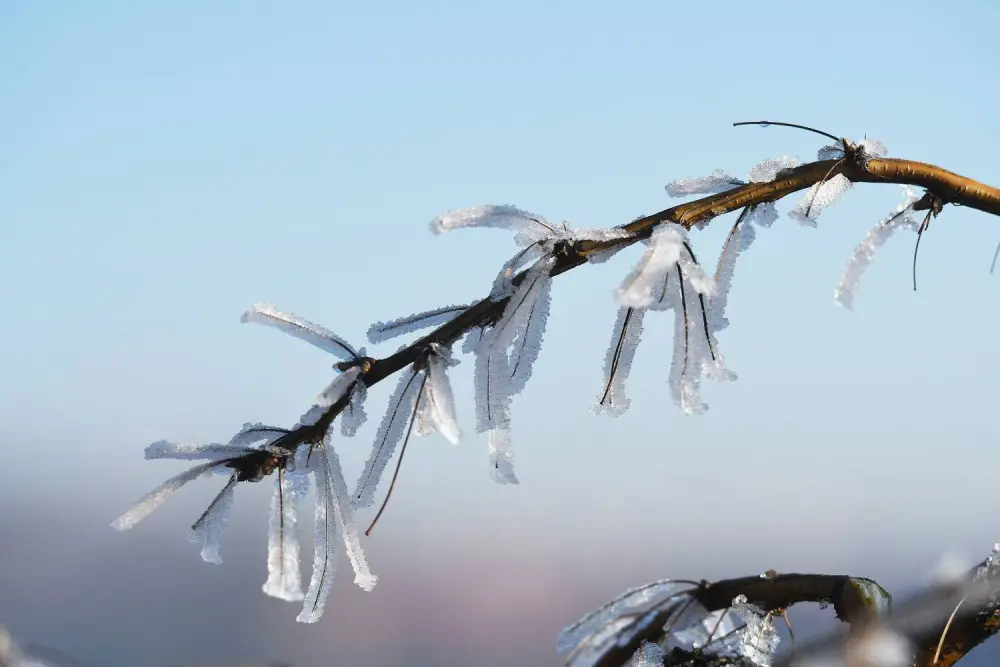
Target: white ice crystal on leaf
829, 190
284, 578
208, 529
717, 181
155, 498
314, 334
395, 424
863, 255
436, 409
383, 331
625, 336
668, 277
648, 655
758, 638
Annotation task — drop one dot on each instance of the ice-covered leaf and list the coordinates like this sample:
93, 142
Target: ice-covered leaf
314, 334
334, 523
767, 170
155, 498
717, 181
863, 255
499, 216
353, 417
164, 449
625, 337
652, 593
437, 403
208, 529
394, 425
502, 456
284, 577
251, 434
758, 638
383, 331
642, 287
872, 595
648, 655
820, 196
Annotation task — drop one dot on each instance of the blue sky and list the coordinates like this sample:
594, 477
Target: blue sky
169, 164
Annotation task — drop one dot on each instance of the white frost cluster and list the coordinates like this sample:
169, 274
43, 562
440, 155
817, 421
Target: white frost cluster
648, 655
826, 192
668, 277
863, 255
758, 638
506, 351
423, 398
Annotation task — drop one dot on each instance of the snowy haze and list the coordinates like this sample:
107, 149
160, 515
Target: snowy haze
166, 168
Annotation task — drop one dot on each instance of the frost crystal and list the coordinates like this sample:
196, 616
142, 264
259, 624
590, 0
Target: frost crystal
820, 196
865, 252
758, 639
324, 339
334, 522
501, 217
625, 337
436, 410
208, 529
392, 429
155, 498
669, 278
717, 181
655, 592
283, 569
648, 655
383, 331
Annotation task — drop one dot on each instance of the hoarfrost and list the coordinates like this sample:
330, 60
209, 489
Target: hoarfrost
383, 331
284, 578
332, 498
155, 498
437, 403
394, 424
662, 253
502, 456
164, 449
314, 334
863, 255
758, 638
718, 181
210, 526
820, 196
648, 655
625, 337
497, 216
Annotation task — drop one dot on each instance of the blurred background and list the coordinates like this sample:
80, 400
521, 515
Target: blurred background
166, 165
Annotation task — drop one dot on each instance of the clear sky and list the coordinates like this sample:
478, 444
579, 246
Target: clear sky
167, 164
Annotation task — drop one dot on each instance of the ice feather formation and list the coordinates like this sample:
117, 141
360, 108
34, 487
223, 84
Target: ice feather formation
827, 191
863, 255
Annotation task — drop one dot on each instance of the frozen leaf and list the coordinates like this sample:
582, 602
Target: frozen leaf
334, 522
324, 339
437, 404
383, 331
284, 578
625, 336
717, 181
652, 593
208, 529
863, 255
164, 449
354, 415
648, 655
872, 595
502, 217
344, 382
642, 286
820, 196
251, 434
501, 456
152, 500
390, 432
767, 170
758, 638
